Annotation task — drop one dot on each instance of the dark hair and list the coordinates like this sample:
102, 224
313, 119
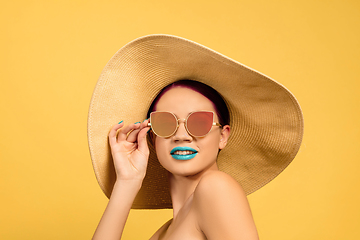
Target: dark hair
219, 104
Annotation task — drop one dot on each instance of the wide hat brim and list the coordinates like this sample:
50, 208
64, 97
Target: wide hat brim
265, 118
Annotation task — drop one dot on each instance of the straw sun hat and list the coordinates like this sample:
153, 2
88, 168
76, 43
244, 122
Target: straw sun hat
265, 118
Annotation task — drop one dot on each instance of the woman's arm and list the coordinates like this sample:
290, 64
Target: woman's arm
130, 155
222, 209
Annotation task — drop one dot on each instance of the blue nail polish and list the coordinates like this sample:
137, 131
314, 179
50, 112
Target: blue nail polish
136, 122
120, 121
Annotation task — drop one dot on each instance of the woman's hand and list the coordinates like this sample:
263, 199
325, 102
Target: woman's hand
130, 154
129, 150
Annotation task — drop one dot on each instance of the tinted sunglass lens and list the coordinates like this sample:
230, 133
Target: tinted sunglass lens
163, 123
200, 123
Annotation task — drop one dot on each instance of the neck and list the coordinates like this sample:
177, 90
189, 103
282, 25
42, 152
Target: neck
182, 187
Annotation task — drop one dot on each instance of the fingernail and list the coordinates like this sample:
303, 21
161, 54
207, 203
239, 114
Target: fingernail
120, 121
136, 122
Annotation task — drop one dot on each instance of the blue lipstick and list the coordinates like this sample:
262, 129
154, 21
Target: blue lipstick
183, 155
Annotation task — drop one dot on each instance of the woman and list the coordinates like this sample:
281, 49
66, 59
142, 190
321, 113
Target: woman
207, 203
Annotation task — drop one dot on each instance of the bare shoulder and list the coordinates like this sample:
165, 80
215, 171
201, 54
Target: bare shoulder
161, 231
217, 186
222, 209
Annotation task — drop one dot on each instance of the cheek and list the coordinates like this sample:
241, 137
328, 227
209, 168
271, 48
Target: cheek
213, 146
213, 140
212, 149
160, 148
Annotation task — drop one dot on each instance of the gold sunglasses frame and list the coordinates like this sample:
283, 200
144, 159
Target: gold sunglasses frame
185, 123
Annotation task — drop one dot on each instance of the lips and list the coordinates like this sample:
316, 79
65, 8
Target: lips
183, 153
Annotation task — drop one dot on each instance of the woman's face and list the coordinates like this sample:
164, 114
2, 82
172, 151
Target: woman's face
182, 101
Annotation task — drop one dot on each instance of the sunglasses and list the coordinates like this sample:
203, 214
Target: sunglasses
197, 124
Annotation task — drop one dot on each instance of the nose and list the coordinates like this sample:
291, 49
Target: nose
181, 134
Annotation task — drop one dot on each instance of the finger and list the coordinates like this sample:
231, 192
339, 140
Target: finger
142, 144
145, 123
113, 132
124, 132
132, 136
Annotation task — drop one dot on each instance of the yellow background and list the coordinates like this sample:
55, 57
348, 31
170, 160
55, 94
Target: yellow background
52, 53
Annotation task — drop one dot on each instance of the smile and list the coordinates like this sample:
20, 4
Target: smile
183, 153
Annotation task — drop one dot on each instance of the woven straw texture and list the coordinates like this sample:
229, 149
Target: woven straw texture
266, 120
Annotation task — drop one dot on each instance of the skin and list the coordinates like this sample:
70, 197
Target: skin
207, 203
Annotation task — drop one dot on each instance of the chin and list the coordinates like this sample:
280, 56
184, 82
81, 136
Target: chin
187, 170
